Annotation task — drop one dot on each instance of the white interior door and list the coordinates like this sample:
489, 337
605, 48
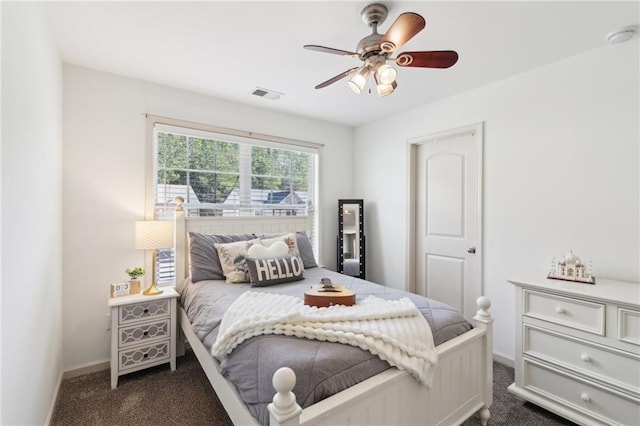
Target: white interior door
448, 218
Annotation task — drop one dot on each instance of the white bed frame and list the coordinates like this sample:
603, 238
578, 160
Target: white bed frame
462, 385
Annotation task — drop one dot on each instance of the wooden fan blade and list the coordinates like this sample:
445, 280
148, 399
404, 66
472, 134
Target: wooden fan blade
336, 78
401, 31
433, 59
329, 50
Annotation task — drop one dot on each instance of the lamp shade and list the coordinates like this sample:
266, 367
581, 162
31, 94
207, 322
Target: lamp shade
154, 234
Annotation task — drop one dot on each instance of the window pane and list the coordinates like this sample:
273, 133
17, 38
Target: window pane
223, 178
171, 150
208, 154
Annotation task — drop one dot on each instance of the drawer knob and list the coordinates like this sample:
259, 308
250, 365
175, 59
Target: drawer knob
585, 358
560, 310
146, 333
146, 311
585, 397
147, 355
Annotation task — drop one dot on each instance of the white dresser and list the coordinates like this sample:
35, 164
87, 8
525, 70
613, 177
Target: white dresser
578, 349
143, 332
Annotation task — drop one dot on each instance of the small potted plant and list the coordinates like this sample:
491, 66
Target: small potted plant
134, 278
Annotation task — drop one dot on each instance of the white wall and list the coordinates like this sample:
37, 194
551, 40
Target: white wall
104, 184
561, 172
31, 215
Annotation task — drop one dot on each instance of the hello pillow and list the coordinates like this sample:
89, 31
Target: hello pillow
270, 271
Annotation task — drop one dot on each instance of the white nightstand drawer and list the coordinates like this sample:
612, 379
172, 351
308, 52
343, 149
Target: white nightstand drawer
134, 357
578, 314
606, 405
600, 362
138, 333
143, 310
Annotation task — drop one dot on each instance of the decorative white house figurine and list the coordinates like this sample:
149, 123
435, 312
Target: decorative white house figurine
571, 268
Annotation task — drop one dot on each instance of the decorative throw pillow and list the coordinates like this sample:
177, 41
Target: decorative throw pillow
277, 249
290, 239
233, 259
203, 256
266, 272
306, 251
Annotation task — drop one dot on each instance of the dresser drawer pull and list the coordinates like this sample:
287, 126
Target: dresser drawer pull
585, 358
560, 310
147, 355
146, 333
585, 397
146, 311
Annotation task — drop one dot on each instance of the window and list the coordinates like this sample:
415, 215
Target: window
228, 174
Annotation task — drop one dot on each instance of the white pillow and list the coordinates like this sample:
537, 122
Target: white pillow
275, 250
289, 239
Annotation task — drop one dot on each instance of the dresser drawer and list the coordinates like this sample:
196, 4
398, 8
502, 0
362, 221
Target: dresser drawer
141, 355
578, 314
605, 405
138, 333
600, 362
143, 310
629, 325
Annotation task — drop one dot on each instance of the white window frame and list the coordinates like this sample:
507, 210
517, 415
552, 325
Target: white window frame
154, 122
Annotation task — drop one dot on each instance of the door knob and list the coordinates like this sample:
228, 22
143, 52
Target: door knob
471, 250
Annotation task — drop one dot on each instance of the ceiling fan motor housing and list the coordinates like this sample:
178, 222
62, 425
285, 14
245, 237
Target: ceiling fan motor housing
374, 14
370, 45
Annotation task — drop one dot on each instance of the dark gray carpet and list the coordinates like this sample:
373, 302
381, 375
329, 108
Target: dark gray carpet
157, 396
507, 411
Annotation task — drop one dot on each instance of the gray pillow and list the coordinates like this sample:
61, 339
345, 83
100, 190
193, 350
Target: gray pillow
306, 251
266, 272
203, 256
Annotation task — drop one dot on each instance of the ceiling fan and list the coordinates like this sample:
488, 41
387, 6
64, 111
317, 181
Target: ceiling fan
376, 49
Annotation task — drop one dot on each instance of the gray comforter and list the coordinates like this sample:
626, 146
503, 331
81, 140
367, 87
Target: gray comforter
322, 368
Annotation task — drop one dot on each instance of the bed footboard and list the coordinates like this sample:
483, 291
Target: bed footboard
462, 385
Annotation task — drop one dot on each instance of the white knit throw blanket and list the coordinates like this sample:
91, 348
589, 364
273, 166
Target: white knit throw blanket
394, 330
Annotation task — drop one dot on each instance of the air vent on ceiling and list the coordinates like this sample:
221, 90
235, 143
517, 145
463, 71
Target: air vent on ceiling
266, 93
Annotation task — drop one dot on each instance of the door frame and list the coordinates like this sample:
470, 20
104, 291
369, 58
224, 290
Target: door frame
476, 130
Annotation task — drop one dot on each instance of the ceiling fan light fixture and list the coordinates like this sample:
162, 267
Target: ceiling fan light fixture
359, 79
386, 74
386, 89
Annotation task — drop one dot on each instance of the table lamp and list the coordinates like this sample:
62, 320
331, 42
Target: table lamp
153, 235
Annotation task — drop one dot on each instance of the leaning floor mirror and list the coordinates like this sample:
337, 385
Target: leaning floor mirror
351, 252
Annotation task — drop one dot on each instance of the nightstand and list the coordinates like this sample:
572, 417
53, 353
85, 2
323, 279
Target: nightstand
143, 332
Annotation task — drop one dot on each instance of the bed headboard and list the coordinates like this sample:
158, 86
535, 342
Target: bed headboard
229, 225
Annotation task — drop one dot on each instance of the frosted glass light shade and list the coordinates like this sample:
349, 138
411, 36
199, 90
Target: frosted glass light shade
386, 74
386, 89
357, 83
154, 234
359, 79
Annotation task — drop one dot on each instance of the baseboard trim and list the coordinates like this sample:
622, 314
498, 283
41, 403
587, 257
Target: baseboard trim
81, 370
503, 360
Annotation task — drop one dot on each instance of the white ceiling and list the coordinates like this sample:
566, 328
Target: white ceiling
227, 49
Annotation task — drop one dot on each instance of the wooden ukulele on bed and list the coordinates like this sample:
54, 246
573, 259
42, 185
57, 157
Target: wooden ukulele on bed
329, 294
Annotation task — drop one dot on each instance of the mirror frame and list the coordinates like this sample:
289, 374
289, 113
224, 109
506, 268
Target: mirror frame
340, 245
